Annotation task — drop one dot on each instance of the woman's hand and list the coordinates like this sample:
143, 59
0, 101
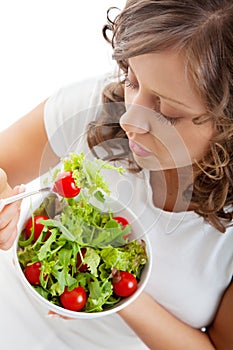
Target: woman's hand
9, 216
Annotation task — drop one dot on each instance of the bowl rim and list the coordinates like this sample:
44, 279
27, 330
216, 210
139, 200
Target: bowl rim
146, 272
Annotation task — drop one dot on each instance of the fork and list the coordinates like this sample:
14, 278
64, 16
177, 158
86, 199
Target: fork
17, 197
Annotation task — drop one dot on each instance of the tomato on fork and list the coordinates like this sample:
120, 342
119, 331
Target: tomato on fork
65, 185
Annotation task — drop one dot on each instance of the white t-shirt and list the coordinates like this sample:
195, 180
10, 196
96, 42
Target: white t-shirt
192, 261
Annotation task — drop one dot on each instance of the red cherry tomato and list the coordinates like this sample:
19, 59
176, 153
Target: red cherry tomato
121, 220
38, 227
65, 185
32, 273
81, 267
74, 300
124, 284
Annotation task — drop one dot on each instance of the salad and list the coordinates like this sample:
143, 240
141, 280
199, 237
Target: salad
74, 254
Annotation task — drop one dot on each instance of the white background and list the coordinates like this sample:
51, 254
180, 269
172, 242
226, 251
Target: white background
46, 44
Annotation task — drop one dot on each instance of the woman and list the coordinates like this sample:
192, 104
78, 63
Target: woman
170, 116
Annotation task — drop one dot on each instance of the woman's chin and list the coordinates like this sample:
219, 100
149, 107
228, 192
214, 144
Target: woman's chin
150, 162
154, 164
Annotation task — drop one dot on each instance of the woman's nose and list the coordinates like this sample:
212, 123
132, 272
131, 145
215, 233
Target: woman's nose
136, 119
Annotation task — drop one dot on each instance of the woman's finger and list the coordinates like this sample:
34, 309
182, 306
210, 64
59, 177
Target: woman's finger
8, 213
9, 233
53, 314
9, 217
5, 189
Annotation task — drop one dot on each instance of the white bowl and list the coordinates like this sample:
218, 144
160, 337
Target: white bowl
27, 207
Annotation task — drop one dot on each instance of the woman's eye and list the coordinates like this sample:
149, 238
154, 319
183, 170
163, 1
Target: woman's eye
161, 117
165, 119
130, 84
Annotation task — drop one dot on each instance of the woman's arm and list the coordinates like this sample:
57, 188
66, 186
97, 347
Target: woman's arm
160, 330
24, 155
24, 150
221, 330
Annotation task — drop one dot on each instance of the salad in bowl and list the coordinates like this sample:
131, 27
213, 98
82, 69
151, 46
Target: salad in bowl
75, 253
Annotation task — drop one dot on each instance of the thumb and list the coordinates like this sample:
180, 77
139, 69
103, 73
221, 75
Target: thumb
5, 189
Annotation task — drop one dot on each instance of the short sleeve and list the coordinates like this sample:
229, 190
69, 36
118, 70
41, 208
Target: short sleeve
68, 111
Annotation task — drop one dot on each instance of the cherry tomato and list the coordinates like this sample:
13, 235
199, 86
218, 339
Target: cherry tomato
124, 284
38, 227
81, 267
32, 273
121, 220
75, 299
65, 185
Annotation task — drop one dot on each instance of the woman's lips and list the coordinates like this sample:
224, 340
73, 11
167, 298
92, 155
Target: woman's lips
138, 150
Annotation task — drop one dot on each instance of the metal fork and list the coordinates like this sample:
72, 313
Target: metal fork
17, 197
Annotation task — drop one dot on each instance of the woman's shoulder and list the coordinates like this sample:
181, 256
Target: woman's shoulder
86, 87
79, 95
70, 109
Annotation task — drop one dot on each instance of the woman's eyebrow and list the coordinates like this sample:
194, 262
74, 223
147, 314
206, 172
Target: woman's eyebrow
160, 95
170, 99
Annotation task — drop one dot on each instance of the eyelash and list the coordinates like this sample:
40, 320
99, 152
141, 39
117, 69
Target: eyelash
161, 116
166, 119
129, 84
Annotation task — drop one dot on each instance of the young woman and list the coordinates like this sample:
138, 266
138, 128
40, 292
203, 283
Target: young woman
169, 115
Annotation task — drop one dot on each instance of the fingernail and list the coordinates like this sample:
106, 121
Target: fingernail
52, 314
20, 188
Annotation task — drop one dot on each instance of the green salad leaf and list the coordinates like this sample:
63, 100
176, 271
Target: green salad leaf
87, 173
74, 225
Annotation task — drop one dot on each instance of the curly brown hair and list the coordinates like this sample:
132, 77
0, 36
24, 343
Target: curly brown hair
202, 31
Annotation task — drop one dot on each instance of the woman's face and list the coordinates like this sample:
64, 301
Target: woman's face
160, 107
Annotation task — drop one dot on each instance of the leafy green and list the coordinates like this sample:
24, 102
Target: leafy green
76, 224
87, 173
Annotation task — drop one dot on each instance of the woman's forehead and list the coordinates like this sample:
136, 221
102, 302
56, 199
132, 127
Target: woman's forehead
164, 73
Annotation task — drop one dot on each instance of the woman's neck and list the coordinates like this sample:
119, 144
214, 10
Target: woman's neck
172, 189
